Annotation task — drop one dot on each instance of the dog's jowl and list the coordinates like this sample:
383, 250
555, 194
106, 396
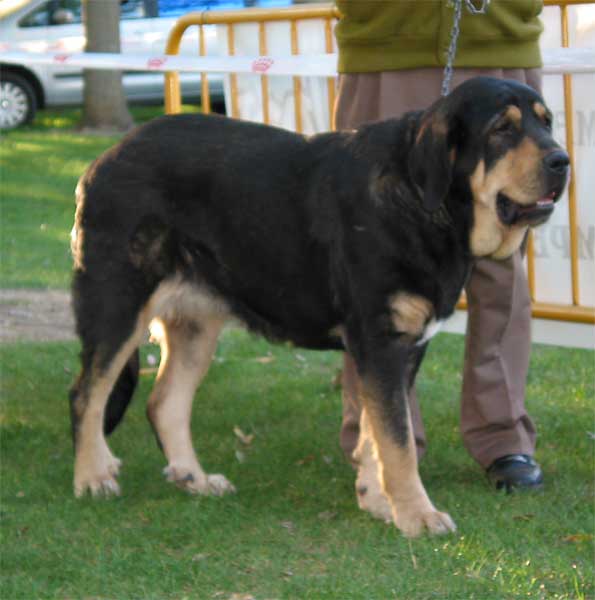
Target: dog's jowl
356, 240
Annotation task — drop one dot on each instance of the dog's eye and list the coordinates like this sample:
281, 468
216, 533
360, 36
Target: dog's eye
547, 119
503, 127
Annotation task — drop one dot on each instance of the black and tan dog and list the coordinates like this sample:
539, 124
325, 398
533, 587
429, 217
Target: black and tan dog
359, 240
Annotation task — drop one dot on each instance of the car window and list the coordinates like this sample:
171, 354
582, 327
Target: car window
68, 12
54, 12
175, 8
138, 9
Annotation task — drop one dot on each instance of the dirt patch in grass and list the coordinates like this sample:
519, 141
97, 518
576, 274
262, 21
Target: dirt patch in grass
35, 315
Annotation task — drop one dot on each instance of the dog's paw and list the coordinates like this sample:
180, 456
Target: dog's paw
220, 485
196, 481
413, 522
97, 477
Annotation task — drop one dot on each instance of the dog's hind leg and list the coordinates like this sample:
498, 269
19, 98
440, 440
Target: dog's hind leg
187, 348
95, 467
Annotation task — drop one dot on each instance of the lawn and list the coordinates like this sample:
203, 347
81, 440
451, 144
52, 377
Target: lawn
39, 168
293, 531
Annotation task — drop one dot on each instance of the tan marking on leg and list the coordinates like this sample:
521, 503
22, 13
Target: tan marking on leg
176, 299
186, 352
412, 509
95, 467
410, 312
369, 493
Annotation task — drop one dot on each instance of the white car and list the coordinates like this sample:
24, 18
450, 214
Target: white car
56, 25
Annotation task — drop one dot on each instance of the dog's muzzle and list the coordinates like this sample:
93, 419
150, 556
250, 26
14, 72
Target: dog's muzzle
556, 166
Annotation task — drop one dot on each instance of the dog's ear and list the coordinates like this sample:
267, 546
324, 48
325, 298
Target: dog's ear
431, 159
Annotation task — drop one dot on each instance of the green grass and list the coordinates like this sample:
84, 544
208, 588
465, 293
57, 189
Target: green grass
293, 530
39, 168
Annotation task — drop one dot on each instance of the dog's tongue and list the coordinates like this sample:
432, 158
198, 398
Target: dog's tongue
537, 211
546, 201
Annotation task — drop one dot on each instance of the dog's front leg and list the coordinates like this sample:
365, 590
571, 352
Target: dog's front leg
385, 384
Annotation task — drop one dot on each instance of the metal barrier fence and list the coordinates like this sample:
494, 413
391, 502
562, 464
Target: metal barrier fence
230, 19
574, 312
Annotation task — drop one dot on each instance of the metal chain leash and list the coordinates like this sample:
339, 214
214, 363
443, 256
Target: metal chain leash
454, 37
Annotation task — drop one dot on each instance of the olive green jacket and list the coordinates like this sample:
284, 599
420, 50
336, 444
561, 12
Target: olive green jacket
386, 35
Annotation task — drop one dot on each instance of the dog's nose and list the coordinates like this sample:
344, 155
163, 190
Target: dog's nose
557, 162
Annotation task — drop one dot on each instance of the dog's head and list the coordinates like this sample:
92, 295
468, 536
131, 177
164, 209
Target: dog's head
491, 140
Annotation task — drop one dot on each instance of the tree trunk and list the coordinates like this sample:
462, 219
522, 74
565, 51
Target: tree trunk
104, 101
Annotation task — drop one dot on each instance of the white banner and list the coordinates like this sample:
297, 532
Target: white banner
558, 60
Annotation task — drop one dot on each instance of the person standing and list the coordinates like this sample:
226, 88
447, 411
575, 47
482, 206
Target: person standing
392, 55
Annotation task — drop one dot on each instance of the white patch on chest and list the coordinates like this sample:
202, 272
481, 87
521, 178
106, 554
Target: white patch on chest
430, 330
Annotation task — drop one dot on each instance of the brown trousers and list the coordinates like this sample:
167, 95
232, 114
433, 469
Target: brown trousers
494, 421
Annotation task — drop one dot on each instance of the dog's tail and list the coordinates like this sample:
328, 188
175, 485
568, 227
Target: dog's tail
121, 395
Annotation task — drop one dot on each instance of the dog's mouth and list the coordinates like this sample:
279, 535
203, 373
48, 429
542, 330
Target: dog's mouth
513, 213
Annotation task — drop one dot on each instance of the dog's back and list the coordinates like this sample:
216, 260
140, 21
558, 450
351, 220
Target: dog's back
188, 194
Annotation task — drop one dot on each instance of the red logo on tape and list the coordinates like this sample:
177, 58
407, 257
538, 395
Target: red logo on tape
61, 58
262, 65
155, 63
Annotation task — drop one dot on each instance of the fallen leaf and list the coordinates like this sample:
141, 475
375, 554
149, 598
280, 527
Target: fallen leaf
300, 358
288, 525
577, 538
413, 557
306, 459
199, 557
526, 517
327, 515
265, 360
148, 370
245, 439
240, 456
241, 597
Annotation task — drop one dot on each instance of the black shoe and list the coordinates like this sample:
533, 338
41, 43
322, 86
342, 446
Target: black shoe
515, 471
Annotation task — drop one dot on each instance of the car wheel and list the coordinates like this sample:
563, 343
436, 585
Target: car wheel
17, 101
